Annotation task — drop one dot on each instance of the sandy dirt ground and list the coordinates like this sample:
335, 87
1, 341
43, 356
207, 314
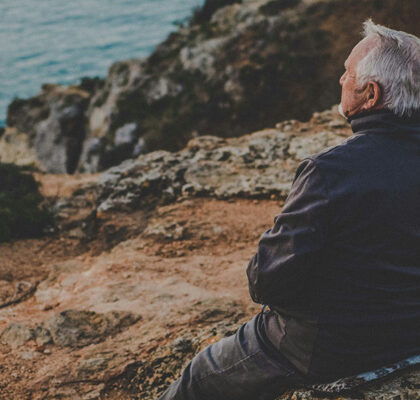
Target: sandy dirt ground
182, 274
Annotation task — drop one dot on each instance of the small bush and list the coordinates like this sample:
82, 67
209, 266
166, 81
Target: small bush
275, 6
91, 85
21, 213
203, 14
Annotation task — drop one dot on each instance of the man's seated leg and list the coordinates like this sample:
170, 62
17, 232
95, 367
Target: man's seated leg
237, 367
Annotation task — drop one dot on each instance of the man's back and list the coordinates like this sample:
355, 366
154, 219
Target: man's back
356, 304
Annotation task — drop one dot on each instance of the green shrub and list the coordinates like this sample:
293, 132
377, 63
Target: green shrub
21, 213
203, 14
275, 6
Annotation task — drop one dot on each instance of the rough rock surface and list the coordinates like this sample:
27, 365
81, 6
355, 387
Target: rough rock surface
70, 328
258, 165
16, 334
74, 328
16, 148
236, 67
54, 126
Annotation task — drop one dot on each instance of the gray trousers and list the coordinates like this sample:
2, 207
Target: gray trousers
238, 367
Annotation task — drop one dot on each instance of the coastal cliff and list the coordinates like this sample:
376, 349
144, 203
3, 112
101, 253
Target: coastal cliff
235, 67
179, 162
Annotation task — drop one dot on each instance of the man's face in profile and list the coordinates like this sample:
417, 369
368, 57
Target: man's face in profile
353, 96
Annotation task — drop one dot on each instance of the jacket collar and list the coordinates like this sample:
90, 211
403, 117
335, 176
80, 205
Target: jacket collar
384, 121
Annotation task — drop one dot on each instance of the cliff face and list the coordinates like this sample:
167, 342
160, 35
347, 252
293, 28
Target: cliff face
237, 67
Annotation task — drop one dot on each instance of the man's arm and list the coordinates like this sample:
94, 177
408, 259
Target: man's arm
290, 251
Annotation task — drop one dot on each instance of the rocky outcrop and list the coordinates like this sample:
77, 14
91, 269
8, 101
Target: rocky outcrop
243, 68
259, 165
53, 125
17, 148
236, 67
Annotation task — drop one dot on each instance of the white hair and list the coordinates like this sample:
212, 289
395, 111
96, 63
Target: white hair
394, 63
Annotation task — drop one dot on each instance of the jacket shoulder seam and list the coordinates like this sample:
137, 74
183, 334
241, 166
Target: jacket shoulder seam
327, 151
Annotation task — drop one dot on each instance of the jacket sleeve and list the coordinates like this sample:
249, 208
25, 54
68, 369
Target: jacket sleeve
290, 251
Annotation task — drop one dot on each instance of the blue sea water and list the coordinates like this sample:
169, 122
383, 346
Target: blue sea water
60, 41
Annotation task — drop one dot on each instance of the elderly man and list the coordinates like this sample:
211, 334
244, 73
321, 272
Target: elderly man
340, 268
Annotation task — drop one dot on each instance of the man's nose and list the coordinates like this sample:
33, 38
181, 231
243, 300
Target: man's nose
341, 79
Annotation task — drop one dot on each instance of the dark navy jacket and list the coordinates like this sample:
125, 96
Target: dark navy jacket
341, 265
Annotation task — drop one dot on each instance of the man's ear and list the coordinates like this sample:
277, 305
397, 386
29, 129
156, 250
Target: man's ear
373, 96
